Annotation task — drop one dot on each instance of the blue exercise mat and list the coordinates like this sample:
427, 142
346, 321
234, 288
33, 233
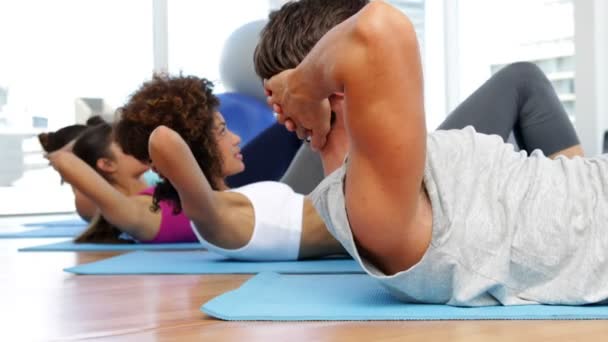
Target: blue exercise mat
358, 297
200, 262
77, 222
71, 246
46, 232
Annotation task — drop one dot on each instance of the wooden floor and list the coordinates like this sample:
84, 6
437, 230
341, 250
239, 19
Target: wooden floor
40, 302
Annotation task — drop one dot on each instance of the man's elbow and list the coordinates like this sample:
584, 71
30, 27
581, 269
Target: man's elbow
380, 23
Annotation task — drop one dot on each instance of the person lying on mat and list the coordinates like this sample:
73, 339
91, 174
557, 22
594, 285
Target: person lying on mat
454, 216
199, 161
266, 220
53, 141
97, 168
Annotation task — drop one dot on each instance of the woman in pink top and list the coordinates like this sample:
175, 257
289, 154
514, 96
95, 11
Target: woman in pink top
97, 168
173, 227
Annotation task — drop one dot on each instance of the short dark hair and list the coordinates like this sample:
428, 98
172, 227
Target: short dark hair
294, 29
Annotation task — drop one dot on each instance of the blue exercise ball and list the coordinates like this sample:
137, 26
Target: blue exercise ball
245, 115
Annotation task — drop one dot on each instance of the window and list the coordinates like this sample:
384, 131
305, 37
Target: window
198, 30
493, 33
60, 62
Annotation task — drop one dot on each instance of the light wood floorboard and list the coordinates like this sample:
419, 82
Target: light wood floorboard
40, 302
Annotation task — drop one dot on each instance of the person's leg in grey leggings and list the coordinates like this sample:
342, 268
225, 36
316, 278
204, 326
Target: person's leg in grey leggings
519, 99
305, 171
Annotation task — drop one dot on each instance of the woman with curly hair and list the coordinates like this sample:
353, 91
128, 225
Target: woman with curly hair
96, 167
194, 152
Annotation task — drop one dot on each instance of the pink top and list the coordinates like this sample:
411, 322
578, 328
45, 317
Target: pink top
173, 228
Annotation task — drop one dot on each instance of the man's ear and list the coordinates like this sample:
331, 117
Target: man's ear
106, 165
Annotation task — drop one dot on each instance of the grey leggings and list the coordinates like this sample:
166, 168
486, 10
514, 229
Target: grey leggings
518, 99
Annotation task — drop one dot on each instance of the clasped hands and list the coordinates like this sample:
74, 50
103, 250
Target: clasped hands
298, 111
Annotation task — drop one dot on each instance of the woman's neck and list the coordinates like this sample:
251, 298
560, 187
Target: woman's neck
221, 184
130, 186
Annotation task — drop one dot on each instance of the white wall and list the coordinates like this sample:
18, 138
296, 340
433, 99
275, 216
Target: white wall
591, 39
160, 29
434, 63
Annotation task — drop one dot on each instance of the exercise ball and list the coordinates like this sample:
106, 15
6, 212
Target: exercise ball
245, 115
236, 65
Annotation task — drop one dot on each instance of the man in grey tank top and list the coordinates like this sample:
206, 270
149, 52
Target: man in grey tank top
455, 217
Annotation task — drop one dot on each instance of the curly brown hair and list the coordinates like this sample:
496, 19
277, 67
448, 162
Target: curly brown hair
185, 104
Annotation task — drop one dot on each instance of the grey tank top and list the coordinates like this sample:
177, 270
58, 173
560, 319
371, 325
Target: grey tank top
508, 228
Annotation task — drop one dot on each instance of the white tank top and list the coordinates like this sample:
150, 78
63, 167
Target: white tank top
277, 224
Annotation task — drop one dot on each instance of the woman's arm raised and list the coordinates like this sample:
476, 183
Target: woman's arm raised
131, 216
212, 212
